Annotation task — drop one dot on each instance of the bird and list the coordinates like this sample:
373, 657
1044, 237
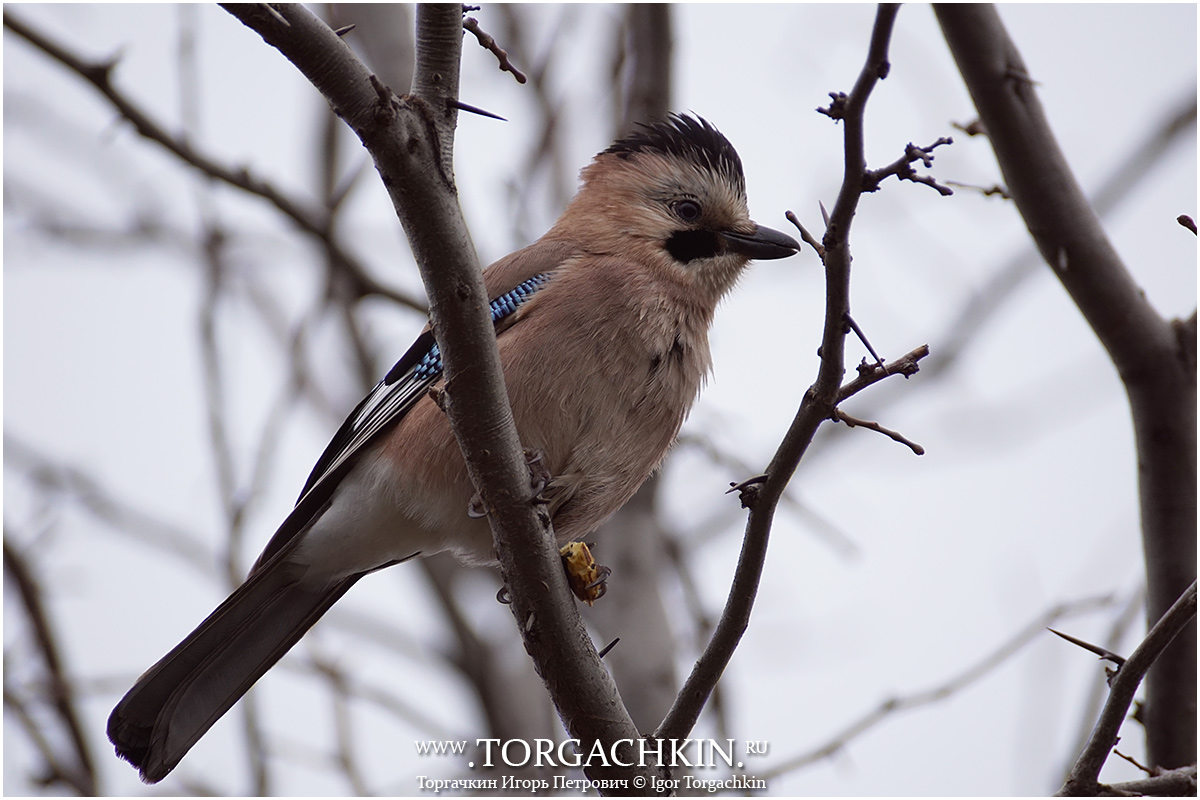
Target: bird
602, 331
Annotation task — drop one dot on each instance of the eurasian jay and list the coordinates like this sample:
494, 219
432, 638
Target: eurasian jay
602, 328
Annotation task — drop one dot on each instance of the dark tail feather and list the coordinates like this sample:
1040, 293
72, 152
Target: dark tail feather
179, 698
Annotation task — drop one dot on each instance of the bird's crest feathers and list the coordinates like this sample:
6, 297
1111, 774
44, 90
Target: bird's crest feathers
686, 137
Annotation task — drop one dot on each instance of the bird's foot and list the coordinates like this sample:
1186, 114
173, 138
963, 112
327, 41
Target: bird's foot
539, 475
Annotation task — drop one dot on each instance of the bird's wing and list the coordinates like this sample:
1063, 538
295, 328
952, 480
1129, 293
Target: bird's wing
511, 282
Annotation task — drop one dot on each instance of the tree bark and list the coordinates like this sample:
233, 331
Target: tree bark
1155, 358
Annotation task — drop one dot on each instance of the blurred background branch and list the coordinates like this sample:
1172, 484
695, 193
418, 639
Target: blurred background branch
115, 502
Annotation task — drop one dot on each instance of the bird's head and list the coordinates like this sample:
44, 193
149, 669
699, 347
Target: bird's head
673, 196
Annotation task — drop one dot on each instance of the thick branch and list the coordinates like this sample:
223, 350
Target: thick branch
411, 141
1159, 377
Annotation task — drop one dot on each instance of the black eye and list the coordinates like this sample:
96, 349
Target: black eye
687, 210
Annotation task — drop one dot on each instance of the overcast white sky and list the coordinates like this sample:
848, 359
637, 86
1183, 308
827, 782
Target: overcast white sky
1026, 497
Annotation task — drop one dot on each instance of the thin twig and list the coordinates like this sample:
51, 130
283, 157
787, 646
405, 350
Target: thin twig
343, 728
907, 365
902, 168
60, 694
972, 674
816, 407
1083, 779
807, 237
841, 416
488, 42
99, 74
1171, 783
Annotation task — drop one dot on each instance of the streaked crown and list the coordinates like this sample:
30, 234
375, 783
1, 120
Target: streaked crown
685, 137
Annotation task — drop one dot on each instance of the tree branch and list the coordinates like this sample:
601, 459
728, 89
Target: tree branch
79, 773
1159, 377
99, 74
411, 140
1083, 779
819, 402
967, 677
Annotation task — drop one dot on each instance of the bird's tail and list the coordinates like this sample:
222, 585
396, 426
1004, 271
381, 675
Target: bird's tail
179, 698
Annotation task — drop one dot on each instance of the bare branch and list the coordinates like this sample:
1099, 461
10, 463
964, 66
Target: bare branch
818, 404
999, 288
807, 237
907, 365
851, 422
1083, 779
1153, 363
969, 676
80, 774
1170, 783
99, 74
411, 141
123, 517
489, 43
902, 168
647, 64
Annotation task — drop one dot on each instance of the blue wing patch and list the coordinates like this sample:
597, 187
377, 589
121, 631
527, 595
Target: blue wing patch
402, 387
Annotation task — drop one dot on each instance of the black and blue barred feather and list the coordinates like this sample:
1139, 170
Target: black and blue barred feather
403, 386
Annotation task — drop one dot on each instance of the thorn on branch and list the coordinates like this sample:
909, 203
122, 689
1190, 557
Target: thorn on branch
100, 73
489, 43
1187, 222
862, 337
342, 31
837, 108
1105, 655
608, 647
903, 170
851, 422
1019, 75
748, 489
461, 106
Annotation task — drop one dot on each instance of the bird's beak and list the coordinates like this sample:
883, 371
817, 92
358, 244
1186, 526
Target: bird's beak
763, 243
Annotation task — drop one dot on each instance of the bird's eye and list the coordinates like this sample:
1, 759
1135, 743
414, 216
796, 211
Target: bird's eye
687, 210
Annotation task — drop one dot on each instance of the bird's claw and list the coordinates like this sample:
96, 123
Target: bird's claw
476, 508
539, 476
